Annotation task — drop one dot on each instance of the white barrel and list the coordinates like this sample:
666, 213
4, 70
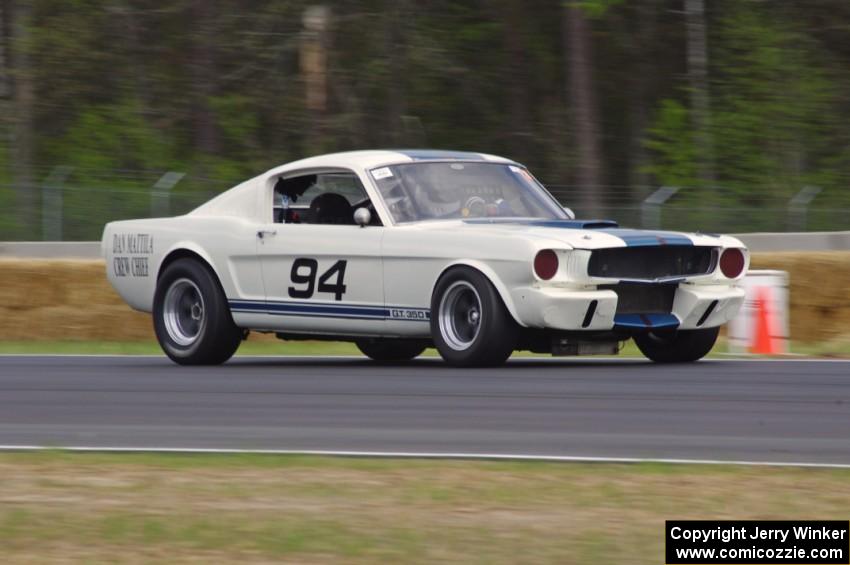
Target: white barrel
761, 326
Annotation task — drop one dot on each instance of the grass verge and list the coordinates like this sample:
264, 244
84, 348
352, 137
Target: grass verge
59, 506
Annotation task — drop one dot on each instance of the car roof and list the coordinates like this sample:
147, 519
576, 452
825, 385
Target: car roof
367, 159
244, 200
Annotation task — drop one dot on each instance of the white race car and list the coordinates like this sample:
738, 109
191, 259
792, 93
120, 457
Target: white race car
401, 250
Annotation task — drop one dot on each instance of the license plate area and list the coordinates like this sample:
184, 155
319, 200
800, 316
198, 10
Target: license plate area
638, 298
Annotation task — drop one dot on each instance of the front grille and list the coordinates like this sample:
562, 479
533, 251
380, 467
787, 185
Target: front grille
636, 298
650, 263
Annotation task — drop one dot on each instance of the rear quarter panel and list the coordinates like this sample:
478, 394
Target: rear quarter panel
134, 251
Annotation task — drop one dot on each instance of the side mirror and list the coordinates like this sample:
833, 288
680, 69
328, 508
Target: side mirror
570, 214
362, 217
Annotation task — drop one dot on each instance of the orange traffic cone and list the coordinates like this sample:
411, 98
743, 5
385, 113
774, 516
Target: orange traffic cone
762, 343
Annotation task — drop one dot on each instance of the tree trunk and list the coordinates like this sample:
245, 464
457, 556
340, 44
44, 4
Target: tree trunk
581, 97
396, 46
641, 52
136, 56
698, 82
315, 39
5, 66
202, 73
515, 79
22, 108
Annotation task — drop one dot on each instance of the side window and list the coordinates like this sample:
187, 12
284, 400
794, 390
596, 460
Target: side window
346, 185
326, 198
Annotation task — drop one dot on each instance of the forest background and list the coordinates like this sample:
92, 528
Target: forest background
741, 105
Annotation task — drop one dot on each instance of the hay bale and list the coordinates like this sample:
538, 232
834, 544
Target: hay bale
30, 284
819, 292
71, 299
64, 299
75, 322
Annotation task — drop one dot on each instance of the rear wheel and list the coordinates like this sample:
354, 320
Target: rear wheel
191, 318
470, 325
683, 346
390, 349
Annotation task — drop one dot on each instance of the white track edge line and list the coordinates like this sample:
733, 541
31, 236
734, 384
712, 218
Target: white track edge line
426, 455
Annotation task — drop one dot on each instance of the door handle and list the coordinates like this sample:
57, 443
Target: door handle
262, 234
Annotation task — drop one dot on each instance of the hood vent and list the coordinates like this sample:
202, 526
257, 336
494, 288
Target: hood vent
583, 224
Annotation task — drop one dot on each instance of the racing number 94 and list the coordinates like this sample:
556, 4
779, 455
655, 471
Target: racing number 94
303, 277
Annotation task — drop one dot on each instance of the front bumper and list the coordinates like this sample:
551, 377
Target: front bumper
574, 309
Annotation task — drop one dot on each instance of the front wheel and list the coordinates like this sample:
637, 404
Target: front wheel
683, 346
390, 349
191, 318
470, 325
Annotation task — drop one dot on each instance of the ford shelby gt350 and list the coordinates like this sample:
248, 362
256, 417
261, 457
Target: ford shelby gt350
398, 251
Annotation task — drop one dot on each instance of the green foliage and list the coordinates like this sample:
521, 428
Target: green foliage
671, 139
8, 224
595, 8
772, 123
111, 136
116, 138
124, 91
773, 101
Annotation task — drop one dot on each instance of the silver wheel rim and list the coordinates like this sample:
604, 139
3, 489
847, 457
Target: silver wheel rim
460, 315
184, 312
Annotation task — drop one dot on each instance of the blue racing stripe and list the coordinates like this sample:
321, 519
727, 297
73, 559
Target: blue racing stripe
310, 315
438, 154
569, 224
347, 311
641, 238
632, 238
646, 321
321, 309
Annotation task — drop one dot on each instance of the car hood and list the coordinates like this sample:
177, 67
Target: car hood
584, 234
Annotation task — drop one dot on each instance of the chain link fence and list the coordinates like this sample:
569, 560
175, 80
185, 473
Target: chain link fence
74, 205
716, 210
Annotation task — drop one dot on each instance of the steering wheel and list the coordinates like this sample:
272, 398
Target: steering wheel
475, 207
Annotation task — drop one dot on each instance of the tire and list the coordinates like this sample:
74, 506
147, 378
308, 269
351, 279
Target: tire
470, 325
191, 317
684, 346
391, 349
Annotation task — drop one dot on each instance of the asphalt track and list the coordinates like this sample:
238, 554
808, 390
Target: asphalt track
760, 411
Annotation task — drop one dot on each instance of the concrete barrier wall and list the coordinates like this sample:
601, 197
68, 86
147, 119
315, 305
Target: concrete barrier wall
50, 249
806, 241
65, 299
756, 242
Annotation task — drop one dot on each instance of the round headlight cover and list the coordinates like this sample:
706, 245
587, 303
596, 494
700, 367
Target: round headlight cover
546, 264
732, 262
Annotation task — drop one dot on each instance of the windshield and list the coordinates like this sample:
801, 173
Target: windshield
456, 190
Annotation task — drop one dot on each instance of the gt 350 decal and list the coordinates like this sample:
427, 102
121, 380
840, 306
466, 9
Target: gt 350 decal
409, 314
309, 278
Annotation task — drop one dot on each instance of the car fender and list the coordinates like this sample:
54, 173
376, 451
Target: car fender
218, 265
492, 276
185, 245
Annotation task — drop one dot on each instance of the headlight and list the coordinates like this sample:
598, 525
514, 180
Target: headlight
546, 264
732, 262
